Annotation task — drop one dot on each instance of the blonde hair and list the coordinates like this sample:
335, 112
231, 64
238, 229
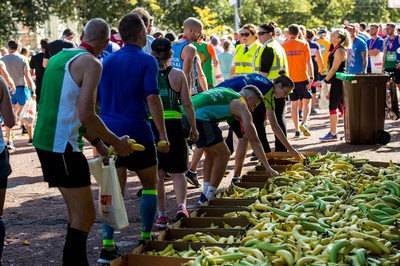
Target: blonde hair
344, 37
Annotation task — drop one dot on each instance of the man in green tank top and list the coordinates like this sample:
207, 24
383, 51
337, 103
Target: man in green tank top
212, 107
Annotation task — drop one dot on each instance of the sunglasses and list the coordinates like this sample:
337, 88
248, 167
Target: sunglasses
246, 34
261, 33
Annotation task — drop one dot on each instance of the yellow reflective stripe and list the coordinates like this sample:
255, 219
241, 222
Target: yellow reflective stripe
171, 114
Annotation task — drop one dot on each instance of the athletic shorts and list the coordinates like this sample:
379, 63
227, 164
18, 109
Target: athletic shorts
396, 73
209, 132
69, 169
5, 168
139, 160
21, 95
300, 91
237, 128
176, 160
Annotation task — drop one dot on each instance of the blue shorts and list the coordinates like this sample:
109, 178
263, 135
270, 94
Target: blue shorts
300, 91
21, 95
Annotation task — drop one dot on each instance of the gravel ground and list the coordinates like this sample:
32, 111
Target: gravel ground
35, 215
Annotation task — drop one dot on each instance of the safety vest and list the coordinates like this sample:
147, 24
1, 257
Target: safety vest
244, 62
279, 63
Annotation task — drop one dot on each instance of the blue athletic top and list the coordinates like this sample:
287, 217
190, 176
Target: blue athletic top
374, 44
260, 81
355, 59
107, 51
176, 59
129, 76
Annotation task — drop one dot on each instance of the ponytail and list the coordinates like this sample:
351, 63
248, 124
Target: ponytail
284, 80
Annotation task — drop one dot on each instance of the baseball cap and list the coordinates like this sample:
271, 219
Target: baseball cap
350, 26
322, 30
161, 45
278, 31
214, 40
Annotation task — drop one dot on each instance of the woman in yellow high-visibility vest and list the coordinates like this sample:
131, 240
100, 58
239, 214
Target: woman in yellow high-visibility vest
245, 52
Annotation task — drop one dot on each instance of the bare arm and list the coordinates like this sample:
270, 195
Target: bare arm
241, 112
5, 105
6, 76
188, 106
373, 52
157, 112
45, 61
29, 80
201, 76
280, 135
365, 61
188, 54
86, 71
339, 57
310, 70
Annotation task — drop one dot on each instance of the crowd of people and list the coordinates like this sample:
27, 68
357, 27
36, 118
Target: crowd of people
130, 83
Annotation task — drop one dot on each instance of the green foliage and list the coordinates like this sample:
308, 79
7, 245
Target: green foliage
170, 14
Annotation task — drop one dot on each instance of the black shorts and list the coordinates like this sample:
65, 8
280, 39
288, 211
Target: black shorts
5, 168
396, 73
300, 91
209, 132
176, 160
69, 169
139, 160
336, 95
237, 128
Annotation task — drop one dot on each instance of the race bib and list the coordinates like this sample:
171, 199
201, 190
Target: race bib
391, 56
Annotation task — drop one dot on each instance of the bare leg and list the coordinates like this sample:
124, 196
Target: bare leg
295, 114
180, 187
161, 191
207, 167
220, 156
333, 119
197, 154
306, 109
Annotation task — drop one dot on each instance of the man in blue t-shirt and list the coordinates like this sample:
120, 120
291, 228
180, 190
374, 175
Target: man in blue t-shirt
357, 55
375, 46
128, 93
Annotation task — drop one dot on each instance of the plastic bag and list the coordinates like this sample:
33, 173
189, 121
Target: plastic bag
392, 104
111, 203
217, 75
323, 101
377, 63
28, 112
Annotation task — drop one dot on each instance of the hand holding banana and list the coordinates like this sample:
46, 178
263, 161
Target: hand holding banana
134, 147
163, 146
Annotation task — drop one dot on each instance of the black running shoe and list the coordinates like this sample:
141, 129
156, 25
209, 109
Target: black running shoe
106, 255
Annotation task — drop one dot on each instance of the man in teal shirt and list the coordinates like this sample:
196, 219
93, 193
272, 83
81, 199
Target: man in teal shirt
224, 104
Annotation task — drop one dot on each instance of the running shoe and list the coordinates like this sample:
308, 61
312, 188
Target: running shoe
108, 255
162, 222
202, 199
182, 213
24, 131
297, 134
235, 179
191, 178
10, 145
313, 112
303, 127
329, 138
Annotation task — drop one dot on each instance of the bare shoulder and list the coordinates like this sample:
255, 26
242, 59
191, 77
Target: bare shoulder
86, 62
189, 49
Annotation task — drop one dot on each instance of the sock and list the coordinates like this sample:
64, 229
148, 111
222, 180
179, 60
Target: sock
108, 236
210, 192
2, 236
148, 208
205, 187
163, 213
182, 204
75, 248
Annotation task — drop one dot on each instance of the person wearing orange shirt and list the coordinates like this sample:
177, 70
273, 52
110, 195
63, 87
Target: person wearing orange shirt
301, 71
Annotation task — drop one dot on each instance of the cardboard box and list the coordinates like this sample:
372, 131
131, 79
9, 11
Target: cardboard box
209, 211
139, 259
205, 222
285, 155
178, 233
219, 202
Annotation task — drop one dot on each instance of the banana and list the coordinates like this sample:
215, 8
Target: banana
134, 146
379, 244
286, 256
307, 260
162, 144
166, 250
313, 227
270, 247
188, 237
360, 256
253, 251
361, 243
333, 256
368, 223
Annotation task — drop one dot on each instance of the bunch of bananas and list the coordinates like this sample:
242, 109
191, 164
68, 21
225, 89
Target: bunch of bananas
206, 238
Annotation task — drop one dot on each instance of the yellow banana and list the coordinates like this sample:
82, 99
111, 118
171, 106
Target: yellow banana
361, 243
286, 256
188, 237
307, 260
162, 144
